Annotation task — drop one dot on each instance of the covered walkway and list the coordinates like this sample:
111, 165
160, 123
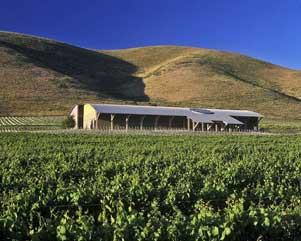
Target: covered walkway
117, 117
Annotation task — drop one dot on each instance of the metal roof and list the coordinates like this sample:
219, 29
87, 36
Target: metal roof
140, 110
196, 114
242, 113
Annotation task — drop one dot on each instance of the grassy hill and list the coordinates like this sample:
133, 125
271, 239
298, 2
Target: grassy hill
45, 77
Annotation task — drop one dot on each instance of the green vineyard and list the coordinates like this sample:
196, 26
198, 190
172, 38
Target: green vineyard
12, 123
135, 187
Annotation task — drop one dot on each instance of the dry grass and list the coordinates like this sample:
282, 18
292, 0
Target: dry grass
201, 77
43, 77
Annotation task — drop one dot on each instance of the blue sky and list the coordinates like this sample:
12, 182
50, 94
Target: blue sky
265, 29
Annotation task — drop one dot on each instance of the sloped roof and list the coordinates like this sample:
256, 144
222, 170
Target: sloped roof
242, 113
227, 116
196, 114
140, 110
150, 110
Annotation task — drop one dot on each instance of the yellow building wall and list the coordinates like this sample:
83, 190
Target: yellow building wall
89, 116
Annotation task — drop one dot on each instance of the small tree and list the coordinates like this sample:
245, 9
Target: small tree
68, 123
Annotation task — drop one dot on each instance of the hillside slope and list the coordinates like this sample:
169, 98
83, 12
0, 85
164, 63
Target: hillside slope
41, 76
202, 77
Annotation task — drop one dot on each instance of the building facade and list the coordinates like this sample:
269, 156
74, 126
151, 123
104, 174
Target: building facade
117, 117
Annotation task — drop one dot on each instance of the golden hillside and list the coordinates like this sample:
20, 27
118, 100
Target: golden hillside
41, 76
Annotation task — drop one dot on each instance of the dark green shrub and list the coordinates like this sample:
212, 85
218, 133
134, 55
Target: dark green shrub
69, 122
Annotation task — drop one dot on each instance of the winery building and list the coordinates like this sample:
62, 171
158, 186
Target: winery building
117, 117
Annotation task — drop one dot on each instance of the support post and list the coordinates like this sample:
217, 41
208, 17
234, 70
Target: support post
223, 127
209, 126
156, 122
141, 122
188, 124
127, 122
97, 121
202, 126
194, 125
112, 121
257, 124
216, 127
170, 122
